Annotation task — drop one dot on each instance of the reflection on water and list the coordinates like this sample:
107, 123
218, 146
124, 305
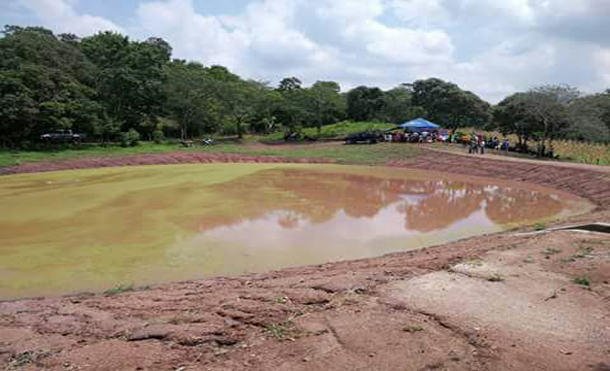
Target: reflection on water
90, 230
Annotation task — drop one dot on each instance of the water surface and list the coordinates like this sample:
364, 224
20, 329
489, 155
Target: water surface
89, 230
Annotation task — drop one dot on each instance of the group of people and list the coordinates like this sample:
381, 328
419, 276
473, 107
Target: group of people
478, 143
413, 137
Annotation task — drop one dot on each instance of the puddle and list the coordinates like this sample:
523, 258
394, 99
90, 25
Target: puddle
90, 230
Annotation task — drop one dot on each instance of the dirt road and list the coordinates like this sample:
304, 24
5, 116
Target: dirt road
499, 302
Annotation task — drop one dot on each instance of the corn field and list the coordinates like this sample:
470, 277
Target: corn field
567, 150
586, 153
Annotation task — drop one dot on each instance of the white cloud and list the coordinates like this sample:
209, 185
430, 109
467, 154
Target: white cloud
493, 48
602, 59
420, 12
61, 17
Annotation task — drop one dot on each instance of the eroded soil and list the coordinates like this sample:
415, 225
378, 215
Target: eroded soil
498, 302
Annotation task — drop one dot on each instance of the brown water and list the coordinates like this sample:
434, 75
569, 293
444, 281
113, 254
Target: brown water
90, 230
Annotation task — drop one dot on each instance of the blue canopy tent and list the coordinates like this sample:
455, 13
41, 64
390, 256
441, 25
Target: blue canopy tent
419, 125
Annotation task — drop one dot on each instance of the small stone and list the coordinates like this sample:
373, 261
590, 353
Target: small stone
306, 359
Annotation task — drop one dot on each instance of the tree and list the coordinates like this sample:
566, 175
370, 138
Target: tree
587, 118
548, 105
328, 105
447, 104
541, 114
190, 98
295, 110
289, 84
364, 103
398, 105
129, 76
238, 99
511, 117
45, 84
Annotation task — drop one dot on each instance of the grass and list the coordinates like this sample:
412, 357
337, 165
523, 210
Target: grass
551, 251
344, 154
539, 227
476, 262
583, 252
336, 131
496, 278
28, 357
582, 280
283, 331
363, 154
119, 289
9, 157
412, 329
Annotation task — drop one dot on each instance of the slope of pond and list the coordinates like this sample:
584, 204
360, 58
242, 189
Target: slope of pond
89, 230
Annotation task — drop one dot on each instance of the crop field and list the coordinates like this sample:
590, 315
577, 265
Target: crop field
567, 150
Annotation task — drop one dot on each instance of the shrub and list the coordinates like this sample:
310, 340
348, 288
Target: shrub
130, 138
158, 136
582, 280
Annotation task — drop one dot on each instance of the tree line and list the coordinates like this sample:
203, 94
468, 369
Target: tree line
109, 87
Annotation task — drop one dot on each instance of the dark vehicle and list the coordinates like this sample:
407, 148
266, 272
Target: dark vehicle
293, 136
369, 136
61, 136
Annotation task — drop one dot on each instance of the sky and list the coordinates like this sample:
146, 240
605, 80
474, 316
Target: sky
493, 48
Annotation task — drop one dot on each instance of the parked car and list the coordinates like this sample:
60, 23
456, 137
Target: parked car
369, 136
62, 136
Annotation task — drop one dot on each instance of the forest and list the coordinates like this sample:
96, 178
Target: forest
114, 89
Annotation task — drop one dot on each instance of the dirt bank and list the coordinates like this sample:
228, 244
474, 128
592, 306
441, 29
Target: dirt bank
497, 302
149, 159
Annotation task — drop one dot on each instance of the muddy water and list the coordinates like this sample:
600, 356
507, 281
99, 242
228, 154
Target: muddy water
90, 230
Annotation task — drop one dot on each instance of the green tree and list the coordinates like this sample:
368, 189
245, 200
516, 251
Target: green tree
289, 84
45, 84
190, 93
129, 76
542, 114
587, 118
364, 103
447, 104
398, 105
326, 103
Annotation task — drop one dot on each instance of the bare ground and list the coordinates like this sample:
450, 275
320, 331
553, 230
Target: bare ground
506, 301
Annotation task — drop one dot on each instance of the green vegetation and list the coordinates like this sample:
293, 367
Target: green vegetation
115, 90
549, 113
477, 262
119, 289
16, 157
551, 251
343, 154
412, 329
111, 88
539, 227
582, 280
283, 331
27, 358
335, 131
496, 277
